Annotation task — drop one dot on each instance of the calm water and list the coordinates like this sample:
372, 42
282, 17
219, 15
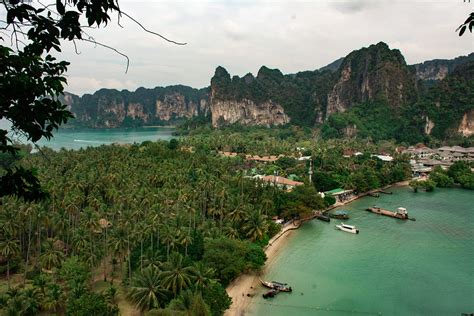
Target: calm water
77, 138
392, 267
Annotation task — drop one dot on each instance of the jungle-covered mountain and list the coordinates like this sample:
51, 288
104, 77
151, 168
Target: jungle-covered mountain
370, 92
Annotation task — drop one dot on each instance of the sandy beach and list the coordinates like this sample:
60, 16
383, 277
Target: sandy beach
243, 288
249, 283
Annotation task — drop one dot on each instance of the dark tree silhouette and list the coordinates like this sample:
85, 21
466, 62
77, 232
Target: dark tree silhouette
468, 24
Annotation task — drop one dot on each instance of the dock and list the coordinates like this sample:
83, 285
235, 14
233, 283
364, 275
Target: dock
400, 214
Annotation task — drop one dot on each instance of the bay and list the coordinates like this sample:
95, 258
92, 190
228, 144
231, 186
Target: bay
82, 138
393, 267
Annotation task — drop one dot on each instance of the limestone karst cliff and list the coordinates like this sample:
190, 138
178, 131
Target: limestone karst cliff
231, 104
376, 72
371, 92
438, 69
112, 108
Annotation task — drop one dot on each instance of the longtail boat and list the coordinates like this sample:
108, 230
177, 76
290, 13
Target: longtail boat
274, 285
340, 214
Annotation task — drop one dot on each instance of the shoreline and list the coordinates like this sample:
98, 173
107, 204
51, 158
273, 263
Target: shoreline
244, 287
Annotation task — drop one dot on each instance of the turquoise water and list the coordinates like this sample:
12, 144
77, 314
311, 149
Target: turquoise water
82, 138
393, 267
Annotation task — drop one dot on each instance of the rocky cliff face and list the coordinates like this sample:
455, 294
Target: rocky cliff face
232, 103
247, 112
175, 106
466, 127
369, 74
438, 69
112, 108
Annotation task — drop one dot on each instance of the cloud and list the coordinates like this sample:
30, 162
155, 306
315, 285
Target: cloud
243, 35
352, 6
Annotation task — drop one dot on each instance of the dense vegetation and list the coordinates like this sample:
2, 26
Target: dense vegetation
444, 104
163, 225
459, 173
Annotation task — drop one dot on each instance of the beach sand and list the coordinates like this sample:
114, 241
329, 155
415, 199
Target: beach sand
250, 283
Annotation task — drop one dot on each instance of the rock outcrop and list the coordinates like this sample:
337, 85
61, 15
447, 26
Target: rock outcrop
112, 108
231, 101
438, 69
466, 128
369, 74
247, 112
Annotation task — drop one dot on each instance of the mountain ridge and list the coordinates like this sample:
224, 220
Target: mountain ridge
371, 74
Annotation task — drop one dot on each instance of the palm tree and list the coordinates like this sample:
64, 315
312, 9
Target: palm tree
255, 225
203, 276
50, 257
185, 239
147, 291
176, 276
9, 249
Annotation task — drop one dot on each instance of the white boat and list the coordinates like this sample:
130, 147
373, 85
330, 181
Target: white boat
347, 228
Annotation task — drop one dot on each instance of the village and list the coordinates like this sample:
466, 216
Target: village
422, 160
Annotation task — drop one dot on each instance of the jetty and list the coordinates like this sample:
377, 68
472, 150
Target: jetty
401, 212
321, 216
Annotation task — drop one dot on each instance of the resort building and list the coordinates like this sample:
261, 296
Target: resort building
340, 194
419, 152
281, 182
457, 152
424, 159
251, 157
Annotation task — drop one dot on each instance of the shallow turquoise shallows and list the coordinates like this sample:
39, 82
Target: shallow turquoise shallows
393, 267
82, 138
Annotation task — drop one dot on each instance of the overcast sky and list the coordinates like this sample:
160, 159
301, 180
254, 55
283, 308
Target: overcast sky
243, 35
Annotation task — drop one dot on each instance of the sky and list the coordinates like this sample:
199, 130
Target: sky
243, 35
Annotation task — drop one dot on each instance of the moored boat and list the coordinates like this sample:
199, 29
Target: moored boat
348, 228
270, 293
340, 214
401, 212
283, 287
322, 217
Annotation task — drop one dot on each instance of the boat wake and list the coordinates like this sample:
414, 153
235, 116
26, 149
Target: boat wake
88, 141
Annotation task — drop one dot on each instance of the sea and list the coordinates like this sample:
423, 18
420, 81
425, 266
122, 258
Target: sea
393, 267
87, 137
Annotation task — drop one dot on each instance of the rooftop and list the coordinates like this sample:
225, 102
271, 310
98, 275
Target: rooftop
281, 180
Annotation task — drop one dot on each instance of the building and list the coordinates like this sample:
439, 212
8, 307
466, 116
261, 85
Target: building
419, 152
340, 194
457, 152
251, 157
281, 182
384, 158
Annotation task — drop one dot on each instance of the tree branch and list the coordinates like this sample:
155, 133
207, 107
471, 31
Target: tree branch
109, 47
151, 32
